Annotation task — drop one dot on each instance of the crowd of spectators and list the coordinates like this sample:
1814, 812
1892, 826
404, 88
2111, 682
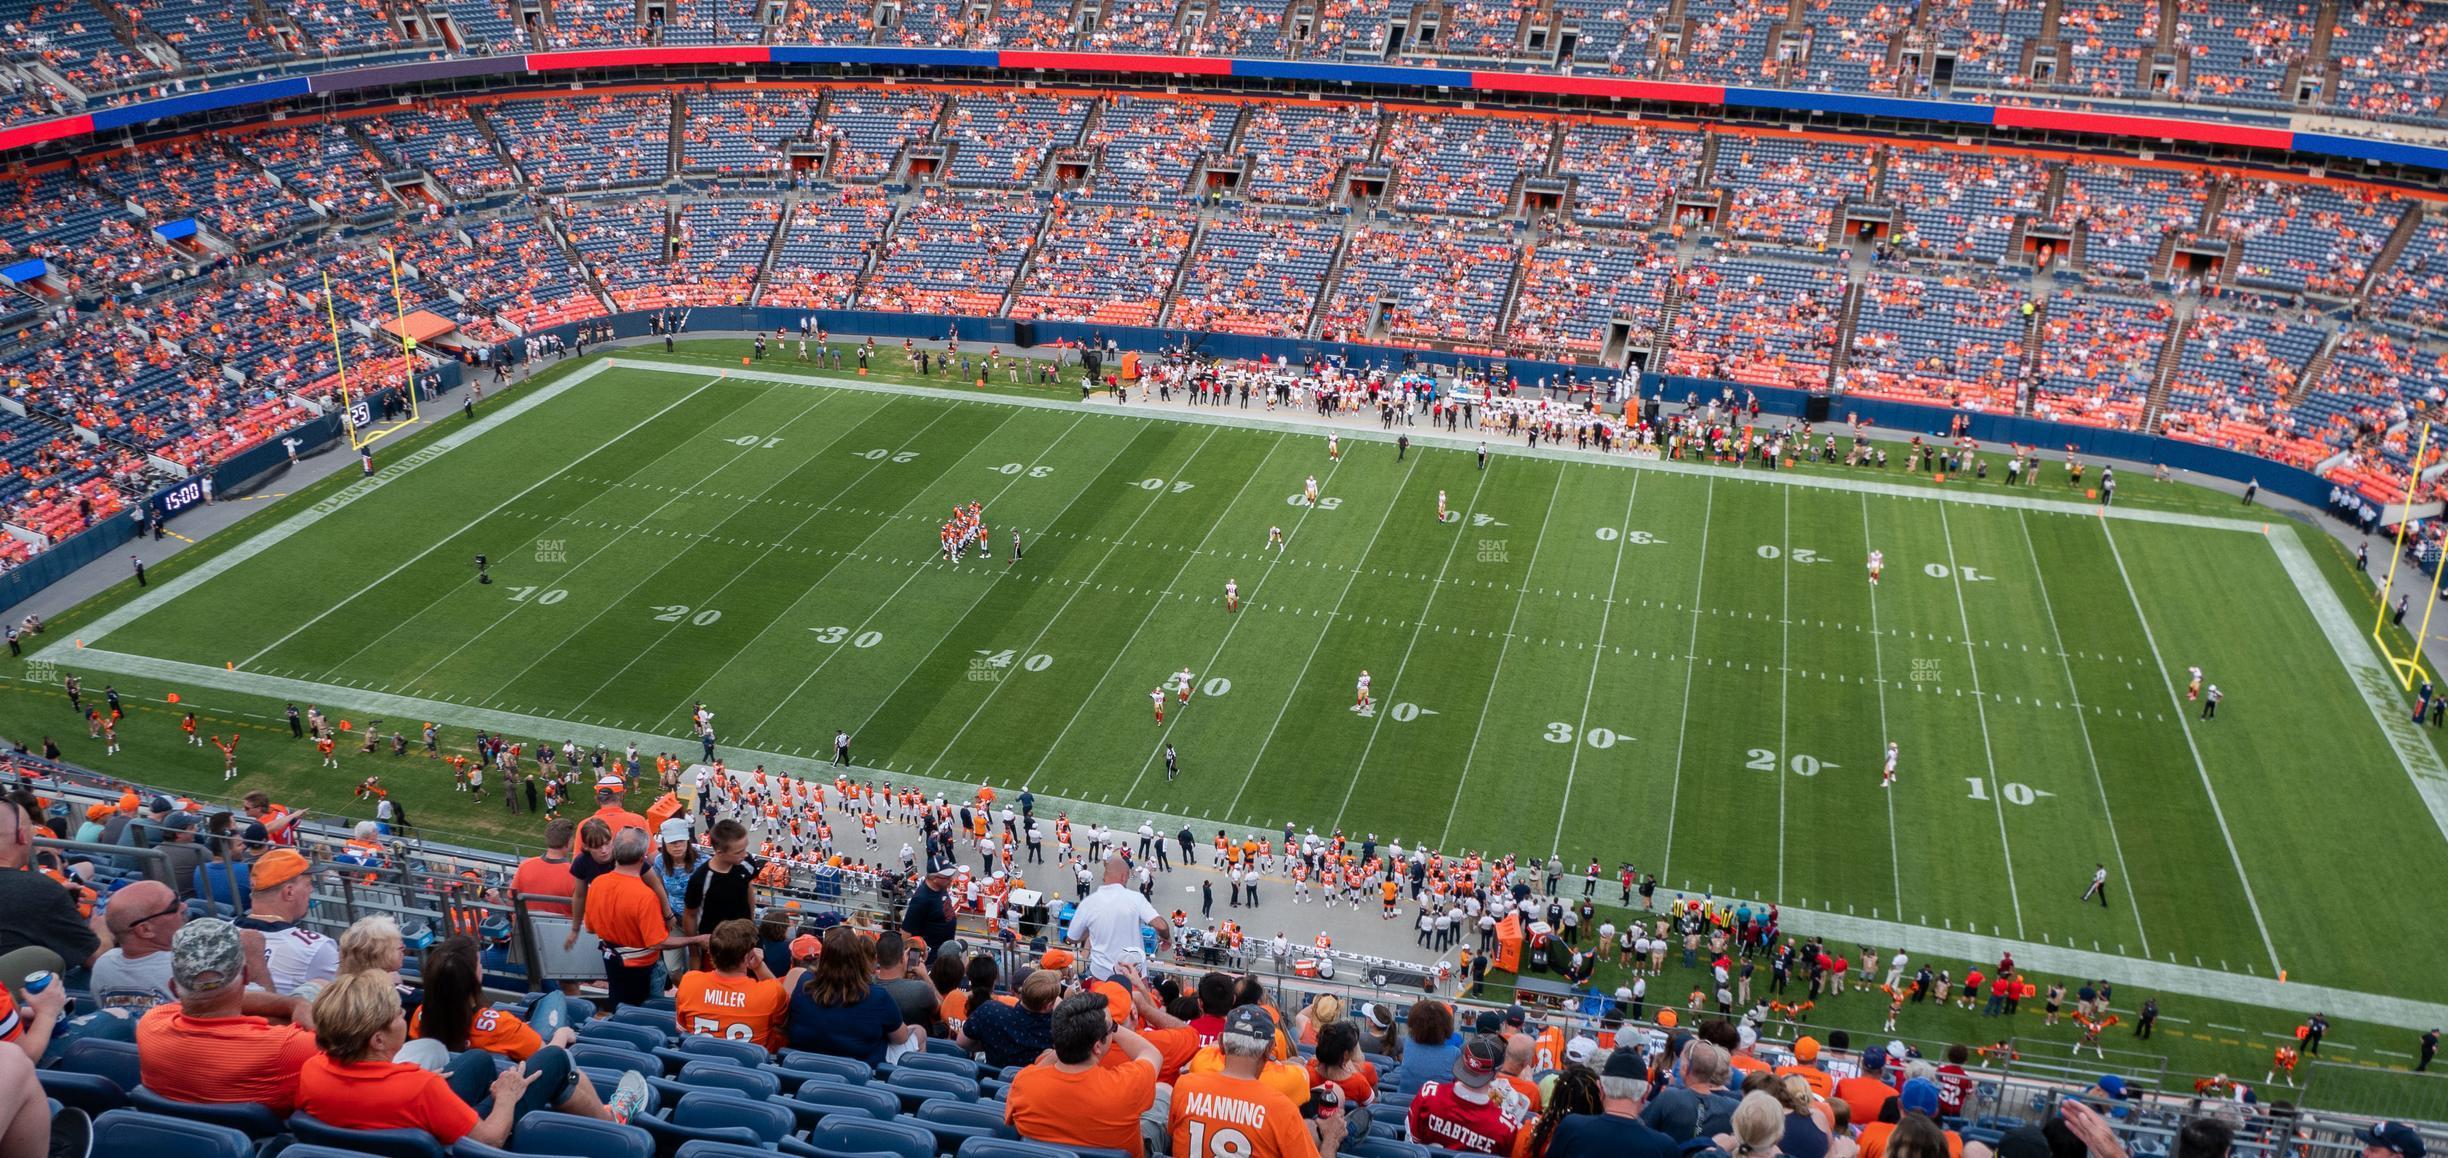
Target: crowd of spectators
575, 144
2097, 358
1001, 140
1463, 166
1624, 176
1961, 206
1144, 150
1294, 152
1955, 341
1108, 264
743, 134
1256, 273
444, 141
2306, 238
868, 128
1756, 322
1437, 284
1574, 288
950, 255
831, 236
1786, 190
2126, 212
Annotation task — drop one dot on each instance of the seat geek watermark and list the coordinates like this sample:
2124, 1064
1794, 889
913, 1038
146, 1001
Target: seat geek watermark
552, 551
1495, 551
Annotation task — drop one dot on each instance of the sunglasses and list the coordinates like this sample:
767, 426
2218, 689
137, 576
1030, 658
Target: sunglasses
174, 910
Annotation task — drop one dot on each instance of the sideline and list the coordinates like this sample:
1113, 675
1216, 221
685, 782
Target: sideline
1292, 423
2161, 976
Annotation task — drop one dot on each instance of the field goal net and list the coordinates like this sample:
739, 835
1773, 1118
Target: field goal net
356, 406
2408, 666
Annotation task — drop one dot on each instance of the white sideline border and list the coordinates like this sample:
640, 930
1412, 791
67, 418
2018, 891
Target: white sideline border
2422, 763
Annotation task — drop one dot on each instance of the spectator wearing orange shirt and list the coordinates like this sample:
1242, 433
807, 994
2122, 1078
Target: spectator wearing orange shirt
627, 915
739, 999
1232, 1113
457, 1014
1082, 1096
356, 1083
207, 1047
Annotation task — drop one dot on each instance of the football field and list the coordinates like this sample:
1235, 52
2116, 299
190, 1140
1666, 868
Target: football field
1679, 667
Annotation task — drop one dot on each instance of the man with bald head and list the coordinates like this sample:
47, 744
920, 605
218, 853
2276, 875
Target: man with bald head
1106, 925
135, 976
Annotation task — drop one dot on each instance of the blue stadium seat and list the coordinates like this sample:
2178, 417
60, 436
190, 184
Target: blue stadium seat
954, 1123
380, 1143
600, 1052
1012, 1148
251, 1117
550, 1132
103, 1057
746, 1053
92, 1093
873, 1101
755, 1083
1375, 1147
705, 1149
638, 1037
137, 1132
915, 1086
856, 1072
296, 1150
848, 1134
771, 1122
958, 1065
793, 1077
945, 1047
660, 1020
670, 1136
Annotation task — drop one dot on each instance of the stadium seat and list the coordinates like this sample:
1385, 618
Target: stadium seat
550, 1132
704, 1149
380, 1143
587, 1052
669, 1135
258, 1122
875, 1102
92, 1093
1013, 1148
954, 1123
660, 1020
856, 1072
917, 1085
958, 1065
738, 1052
945, 1047
848, 1134
1376, 1147
638, 1037
755, 1083
771, 1122
304, 1151
102, 1057
137, 1132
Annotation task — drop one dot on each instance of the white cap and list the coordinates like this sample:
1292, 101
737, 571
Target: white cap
674, 829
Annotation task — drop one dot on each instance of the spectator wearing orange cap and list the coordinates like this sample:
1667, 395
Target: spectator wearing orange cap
608, 789
1806, 1066
281, 953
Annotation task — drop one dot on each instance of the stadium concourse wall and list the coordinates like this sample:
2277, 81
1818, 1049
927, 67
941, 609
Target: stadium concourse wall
1433, 82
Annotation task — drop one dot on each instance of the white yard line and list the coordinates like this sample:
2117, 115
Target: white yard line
2379, 688
446, 592
1332, 613
1980, 708
1154, 605
1496, 673
1055, 618
353, 493
2234, 857
1784, 692
912, 577
1878, 671
1589, 691
638, 653
541, 654
1461, 528
984, 589
2057, 640
1217, 656
1691, 669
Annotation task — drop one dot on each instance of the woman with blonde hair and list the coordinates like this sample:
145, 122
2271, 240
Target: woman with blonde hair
1759, 1124
357, 1083
373, 945
1325, 1009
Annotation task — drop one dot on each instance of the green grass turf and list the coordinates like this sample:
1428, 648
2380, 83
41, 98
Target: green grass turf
1529, 657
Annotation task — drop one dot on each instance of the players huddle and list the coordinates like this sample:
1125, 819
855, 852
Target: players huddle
966, 529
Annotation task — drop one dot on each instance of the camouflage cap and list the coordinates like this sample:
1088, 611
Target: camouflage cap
205, 956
